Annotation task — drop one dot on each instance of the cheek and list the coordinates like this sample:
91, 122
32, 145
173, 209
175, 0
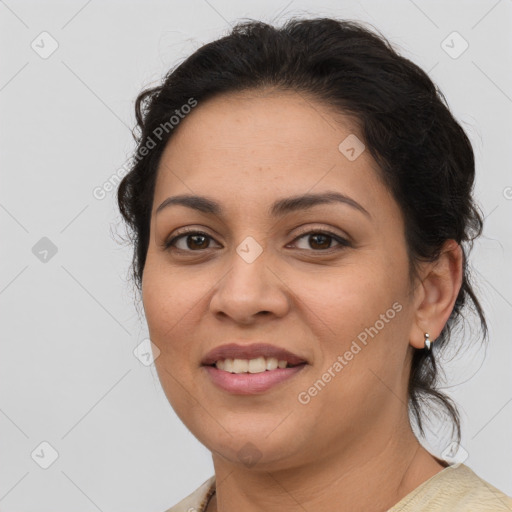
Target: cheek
168, 298
349, 299
169, 309
360, 314
360, 355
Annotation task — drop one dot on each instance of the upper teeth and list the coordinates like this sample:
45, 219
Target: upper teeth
258, 365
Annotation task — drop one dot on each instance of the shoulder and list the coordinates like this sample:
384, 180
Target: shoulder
456, 488
196, 501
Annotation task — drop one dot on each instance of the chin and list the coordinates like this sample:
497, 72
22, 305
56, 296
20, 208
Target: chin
254, 450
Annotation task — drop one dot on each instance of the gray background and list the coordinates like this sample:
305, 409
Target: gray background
69, 326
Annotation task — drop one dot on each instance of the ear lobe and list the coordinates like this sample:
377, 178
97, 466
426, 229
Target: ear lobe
438, 292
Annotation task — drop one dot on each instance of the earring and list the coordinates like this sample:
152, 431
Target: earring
427, 341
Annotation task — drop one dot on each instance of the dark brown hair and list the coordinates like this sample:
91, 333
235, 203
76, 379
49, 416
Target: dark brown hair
424, 155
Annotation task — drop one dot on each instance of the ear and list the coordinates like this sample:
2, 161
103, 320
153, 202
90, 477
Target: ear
436, 293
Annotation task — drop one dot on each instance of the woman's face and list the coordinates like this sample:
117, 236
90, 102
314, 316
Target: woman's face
279, 275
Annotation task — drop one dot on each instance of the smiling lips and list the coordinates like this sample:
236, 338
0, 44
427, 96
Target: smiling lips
251, 352
249, 369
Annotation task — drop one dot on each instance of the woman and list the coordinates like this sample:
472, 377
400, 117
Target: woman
301, 205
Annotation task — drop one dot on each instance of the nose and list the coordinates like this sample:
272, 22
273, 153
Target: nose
250, 290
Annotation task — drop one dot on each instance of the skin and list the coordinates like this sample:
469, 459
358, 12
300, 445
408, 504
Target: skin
245, 151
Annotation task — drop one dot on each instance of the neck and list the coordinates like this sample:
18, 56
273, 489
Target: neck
375, 475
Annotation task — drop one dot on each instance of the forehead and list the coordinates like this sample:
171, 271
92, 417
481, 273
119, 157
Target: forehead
266, 143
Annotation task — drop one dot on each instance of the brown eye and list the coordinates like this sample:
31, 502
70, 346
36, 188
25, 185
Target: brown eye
318, 241
191, 241
197, 241
321, 241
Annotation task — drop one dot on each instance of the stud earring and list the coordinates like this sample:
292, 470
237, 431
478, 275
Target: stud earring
427, 341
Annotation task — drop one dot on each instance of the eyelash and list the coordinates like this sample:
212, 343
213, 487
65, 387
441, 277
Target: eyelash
168, 245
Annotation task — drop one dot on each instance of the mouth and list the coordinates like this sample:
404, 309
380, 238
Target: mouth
251, 369
255, 365
254, 358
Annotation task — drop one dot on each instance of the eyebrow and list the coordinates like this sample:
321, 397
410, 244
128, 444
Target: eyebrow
279, 208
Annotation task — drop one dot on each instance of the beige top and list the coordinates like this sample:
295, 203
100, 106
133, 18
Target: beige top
456, 488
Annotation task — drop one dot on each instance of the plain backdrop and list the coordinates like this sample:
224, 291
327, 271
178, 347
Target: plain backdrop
70, 72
